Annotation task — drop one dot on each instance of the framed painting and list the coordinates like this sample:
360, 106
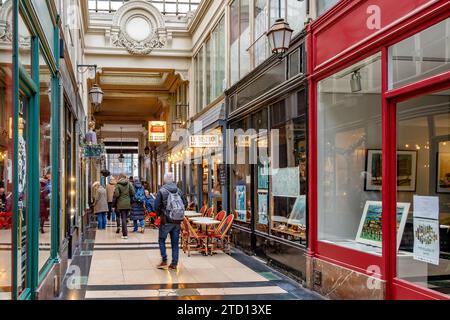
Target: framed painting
406, 170
369, 230
443, 172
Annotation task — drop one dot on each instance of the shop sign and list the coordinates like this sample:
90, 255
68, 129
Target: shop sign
157, 131
243, 141
204, 141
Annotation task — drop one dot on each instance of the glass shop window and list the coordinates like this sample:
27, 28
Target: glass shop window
324, 5
420, 56
45, 168
240, 195
349, 157
6, 164
288, 169
423, 191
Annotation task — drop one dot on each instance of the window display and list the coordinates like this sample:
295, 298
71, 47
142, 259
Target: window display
45, 168
6, 166
349, 124
423, 124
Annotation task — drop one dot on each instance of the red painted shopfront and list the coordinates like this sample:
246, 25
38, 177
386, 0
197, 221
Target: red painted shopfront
379, 126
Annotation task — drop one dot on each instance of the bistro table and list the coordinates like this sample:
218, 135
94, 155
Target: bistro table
192, 214
205, 222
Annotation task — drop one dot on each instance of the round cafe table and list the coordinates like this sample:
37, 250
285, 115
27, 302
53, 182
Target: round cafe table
192, 214
205, 222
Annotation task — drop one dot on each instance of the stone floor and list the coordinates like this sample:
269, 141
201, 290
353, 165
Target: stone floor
108, 267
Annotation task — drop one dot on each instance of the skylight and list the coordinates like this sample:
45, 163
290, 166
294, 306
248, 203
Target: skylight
166, 7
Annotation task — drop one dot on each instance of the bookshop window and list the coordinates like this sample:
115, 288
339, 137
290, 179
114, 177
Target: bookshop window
45, 169
349, 157
288, 169
6, 165
423, 191
241, 174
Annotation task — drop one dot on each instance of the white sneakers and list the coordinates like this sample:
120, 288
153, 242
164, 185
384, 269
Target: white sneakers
124, 237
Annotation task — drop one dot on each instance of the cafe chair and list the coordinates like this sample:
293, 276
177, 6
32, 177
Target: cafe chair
203, 209
221, 215
193, 240
191, 206
5, 220
220, 239
209, 212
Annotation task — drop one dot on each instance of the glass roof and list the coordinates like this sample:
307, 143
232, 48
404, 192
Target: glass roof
166, 7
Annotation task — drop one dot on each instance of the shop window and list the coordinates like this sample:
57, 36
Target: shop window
288, 170
421, 56
45, 166
423, 141
324, 5
240, 194
260, 46
349, 157
24, 44
6, 164
239, 39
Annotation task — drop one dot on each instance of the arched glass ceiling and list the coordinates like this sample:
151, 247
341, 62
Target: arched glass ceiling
166, 7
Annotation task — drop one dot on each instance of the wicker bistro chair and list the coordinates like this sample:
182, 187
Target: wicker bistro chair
203, 209
220, 238
192, 240
221, 215
191, 206
209, 213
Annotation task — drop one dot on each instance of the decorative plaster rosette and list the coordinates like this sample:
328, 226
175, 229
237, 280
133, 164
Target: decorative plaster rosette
138, 27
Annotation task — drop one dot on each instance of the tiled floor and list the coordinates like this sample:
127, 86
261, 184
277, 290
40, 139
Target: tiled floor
112, 268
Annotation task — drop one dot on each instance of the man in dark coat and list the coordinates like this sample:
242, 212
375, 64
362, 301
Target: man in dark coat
123, 194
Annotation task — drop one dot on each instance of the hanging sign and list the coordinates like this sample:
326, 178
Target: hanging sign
157, 131
204, 141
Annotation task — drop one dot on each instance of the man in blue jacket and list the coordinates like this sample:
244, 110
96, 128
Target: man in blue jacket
167, 225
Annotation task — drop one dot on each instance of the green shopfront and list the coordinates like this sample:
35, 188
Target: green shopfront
29, 160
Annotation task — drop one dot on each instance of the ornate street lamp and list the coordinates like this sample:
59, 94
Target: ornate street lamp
121, 156
280, 34
96, 93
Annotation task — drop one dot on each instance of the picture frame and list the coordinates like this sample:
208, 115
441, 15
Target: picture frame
369, 230
407, 170
443, 172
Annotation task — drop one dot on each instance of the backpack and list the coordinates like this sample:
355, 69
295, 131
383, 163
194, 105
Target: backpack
139, 196
174, 206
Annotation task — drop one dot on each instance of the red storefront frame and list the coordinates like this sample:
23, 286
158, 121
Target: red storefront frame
334, 41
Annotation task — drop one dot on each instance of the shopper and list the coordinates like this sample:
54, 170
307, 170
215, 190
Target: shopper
124, 192
170, 203
110, 187
100, 205
149, 205
44, 205
137, 207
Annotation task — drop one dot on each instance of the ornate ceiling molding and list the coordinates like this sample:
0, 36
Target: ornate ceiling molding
138, 27
5, 27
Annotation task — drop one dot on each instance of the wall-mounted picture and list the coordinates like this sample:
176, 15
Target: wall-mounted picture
369, 231
240, 202
443, 172
406, 170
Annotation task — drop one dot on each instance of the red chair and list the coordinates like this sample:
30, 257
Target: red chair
221, 215
193, 240
209, 212
191, 206
203, 209
221, 237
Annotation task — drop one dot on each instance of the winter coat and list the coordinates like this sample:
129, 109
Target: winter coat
161, 202
100, 203
150, 203
44, 204
137, 205
110, 187
123, 193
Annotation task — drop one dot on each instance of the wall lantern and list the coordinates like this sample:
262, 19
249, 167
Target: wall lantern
355, 82
279, 36
146, 150
96, 93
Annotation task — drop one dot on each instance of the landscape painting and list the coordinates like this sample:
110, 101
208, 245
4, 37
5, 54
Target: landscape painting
370, 227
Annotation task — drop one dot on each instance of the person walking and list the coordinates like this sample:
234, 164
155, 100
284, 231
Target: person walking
110, 187
100, 205
170, 204
149, 204
123, 193
44, 204
137, 207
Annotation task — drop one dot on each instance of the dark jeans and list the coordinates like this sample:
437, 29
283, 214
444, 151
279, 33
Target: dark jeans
174, 231
109, 210
121, 219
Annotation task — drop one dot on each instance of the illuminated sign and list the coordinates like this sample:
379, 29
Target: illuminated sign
157, 131
204, 141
